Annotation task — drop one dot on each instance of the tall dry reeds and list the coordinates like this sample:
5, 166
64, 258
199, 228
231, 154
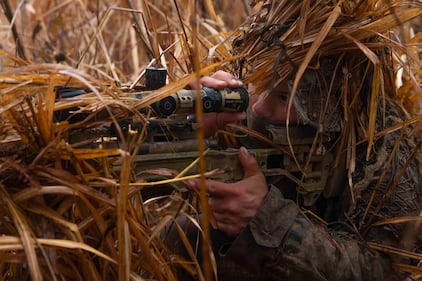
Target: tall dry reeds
66, 212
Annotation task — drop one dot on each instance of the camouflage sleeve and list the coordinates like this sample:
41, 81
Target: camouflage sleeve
284, 245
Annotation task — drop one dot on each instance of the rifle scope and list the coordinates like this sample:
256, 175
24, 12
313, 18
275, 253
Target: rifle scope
213, 100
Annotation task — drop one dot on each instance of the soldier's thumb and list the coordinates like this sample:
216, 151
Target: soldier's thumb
248, 162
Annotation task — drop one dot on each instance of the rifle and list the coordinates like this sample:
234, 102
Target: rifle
171, 143
273, 161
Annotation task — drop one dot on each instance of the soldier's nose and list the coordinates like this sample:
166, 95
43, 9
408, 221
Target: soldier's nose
262, 107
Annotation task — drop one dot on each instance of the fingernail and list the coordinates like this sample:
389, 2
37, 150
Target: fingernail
237, 82
244, 151
191, 183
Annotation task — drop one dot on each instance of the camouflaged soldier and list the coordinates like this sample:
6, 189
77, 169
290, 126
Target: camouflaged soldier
271, 230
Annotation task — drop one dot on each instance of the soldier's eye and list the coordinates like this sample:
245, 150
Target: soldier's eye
282, 96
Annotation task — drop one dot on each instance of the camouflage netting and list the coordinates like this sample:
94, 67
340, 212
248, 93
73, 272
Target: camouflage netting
337, 45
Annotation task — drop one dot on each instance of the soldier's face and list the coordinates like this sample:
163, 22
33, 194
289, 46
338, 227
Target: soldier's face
273, 107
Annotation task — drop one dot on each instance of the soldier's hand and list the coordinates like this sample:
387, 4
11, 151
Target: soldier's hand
214, 121
234, 204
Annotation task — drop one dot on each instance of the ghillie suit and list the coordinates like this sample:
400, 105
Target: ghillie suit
340, 59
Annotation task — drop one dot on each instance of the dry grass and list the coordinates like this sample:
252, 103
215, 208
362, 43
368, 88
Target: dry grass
65, 214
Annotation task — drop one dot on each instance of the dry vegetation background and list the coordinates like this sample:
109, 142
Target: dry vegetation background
64, 214
115, 39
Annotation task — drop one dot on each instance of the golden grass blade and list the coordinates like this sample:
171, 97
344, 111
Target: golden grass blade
10, 105
414, 270
367, 51
397, 220
159, 229
188, 247
193, 163
172, 180
67, 244
122, 226
63, 177
25, 239
373, 108
309, 55
304, 12
158, 267
406, 123
393, 250
45, 113
312, 50
87, 153
209, 7
152, 35
32, 192
54, 217
388, 22
97, 33
21, 124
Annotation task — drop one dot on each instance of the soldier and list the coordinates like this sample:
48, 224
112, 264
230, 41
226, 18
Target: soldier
264, 229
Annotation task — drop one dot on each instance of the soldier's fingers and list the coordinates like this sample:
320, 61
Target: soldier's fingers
249, 164
228, 228
214, 188
220, 206
223, 75
217, 189
221, 79
213, 83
